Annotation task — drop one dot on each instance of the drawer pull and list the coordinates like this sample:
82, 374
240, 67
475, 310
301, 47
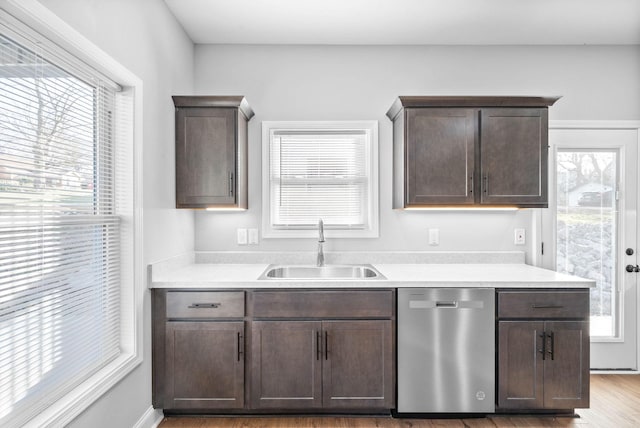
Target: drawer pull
205, 305
534, 306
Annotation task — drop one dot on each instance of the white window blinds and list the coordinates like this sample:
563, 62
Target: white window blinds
59, 233
322, 173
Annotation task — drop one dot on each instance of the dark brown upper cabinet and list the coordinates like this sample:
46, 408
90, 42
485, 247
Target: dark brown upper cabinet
211, 151
470, 151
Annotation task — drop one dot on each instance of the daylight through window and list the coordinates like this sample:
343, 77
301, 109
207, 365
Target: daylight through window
321, 170
59, 232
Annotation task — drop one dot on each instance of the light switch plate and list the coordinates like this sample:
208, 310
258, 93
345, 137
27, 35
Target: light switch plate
253, 236
519, 237
242, 236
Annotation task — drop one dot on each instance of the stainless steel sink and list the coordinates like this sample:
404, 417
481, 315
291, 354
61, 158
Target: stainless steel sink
341, 272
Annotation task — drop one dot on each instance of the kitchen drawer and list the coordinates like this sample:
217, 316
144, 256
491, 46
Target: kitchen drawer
543, 304
323, 304
205, 304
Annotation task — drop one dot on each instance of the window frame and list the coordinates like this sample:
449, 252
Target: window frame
371, 229
58, 37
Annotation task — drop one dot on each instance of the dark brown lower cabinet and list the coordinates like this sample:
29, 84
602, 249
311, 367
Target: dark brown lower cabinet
302, 351
358, 364
204, 365
543, 364
286, 366
322, 364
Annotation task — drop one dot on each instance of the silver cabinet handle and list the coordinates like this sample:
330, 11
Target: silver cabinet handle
230, 183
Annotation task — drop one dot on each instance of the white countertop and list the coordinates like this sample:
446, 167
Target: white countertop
245, 275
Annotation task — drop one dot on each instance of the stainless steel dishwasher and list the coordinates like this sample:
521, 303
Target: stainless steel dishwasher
446, 350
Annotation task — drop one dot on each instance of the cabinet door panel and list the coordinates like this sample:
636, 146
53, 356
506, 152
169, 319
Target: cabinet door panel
439, 156
205, 365
520, 369
566, 372
357, 364
205, 156
286, 364
513, 156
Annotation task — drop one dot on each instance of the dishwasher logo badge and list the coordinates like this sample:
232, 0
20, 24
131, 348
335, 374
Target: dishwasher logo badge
480, 395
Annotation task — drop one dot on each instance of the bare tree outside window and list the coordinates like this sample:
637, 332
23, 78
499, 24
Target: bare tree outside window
61, 155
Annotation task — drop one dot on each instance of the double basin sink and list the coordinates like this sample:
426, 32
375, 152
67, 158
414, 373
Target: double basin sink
340, 272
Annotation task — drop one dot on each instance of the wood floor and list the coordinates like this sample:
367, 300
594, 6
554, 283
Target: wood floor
615, 403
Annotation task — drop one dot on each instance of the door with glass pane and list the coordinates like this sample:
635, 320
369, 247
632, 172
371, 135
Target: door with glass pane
592, 218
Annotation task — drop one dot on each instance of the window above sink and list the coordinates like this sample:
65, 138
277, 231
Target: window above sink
320, 169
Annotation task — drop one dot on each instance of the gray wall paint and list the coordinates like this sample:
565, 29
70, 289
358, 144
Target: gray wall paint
361, 82
144, 37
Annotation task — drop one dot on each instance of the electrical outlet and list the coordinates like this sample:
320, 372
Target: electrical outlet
253, 236
434, 237
242, 236
519, 237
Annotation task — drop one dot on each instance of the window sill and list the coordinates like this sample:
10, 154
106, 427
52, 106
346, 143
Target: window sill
63, 411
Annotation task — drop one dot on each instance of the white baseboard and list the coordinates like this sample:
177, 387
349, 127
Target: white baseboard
150, 419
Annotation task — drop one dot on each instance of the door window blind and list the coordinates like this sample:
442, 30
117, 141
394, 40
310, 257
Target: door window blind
59, 232
321, 172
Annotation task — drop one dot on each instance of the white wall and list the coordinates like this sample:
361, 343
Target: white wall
361, 82
144, 37
321, 83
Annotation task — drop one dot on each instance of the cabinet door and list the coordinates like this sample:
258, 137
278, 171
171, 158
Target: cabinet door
357, 364
439, 156
286, 364
204, 365
514, 150
205, 157
566, 370
520, 366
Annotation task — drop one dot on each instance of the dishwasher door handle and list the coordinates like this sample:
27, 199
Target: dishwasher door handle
447, 304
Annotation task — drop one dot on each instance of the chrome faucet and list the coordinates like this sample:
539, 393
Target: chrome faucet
320, 258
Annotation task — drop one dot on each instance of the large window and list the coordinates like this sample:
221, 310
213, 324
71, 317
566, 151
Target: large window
587, 219
62, 205
320, 170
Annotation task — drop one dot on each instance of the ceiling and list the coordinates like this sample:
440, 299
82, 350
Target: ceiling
410, 22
